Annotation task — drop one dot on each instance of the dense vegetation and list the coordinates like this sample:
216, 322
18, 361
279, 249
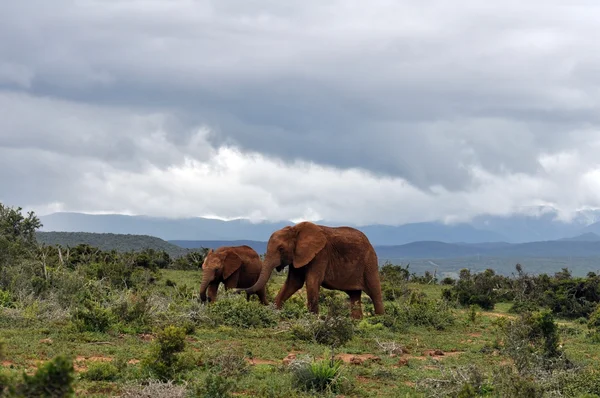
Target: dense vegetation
92, 322
106, 241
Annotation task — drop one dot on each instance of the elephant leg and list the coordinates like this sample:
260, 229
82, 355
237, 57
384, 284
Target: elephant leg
247, 296
355, 304
212, 292
292, 284
313, 283
373, 290
262, 296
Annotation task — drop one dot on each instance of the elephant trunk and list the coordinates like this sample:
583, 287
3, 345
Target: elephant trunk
206, 279
265, 274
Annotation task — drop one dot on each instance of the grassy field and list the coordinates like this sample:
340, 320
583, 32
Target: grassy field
377, 363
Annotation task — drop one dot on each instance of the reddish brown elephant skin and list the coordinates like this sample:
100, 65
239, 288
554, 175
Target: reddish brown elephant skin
338, 258
235, 267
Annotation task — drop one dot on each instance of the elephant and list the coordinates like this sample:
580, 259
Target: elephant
236, 267
336, 258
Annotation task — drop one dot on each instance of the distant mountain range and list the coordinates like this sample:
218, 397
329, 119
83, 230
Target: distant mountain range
107, 241
540, 224
587, 245
580, 253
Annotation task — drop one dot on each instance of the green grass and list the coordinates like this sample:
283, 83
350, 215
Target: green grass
390, 376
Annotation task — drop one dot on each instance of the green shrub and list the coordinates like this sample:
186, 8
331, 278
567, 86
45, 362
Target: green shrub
521, 306
580, 383
319, 377
416, 311
333, 329
233, 310
594, 321
91, 317
294, 308
6, 300
170, 283
392, 292
163, 361
101, 371
53, 379
482, 289
191, 261
227, 364
507, 383
473, 313
133, 310
214, 386
532, 341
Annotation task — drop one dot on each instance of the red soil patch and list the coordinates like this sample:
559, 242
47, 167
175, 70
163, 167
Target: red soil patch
133, 361
7, 364
256, 361
475, 334
146, 337
410, 384
80, 361
496, 315
440, 353
364, 380
357, 359
290, 357
46, 341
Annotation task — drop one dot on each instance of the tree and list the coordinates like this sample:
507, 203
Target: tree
17, 232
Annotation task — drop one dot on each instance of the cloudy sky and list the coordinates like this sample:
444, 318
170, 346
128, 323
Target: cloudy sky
380, 111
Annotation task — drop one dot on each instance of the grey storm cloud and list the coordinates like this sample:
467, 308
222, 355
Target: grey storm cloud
422, 90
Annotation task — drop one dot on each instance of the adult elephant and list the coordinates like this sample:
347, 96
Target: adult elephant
235, 267
337, 258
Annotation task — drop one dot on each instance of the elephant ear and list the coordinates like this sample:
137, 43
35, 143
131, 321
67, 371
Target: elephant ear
206, 258
310, 240
231, 263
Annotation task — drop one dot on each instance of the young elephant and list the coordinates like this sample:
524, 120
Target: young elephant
236, 267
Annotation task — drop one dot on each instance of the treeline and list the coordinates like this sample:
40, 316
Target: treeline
109, 241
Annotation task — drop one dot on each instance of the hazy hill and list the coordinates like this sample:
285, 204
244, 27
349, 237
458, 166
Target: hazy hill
540, 224
546, 249
122, 243
586, 237
260, 247
203, 229
433, 249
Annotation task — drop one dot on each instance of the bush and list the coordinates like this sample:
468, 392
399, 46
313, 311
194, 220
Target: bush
163, 361
233, 310
227, 364
507, 383
319, 377
6, 300
53, 379
594, 321
448, 281
294, 308
416, 311
520, 307
101, 371
191, 261
334, 329
91, 317
134, 310
214, 386
579, 384
532, 342
482, 289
